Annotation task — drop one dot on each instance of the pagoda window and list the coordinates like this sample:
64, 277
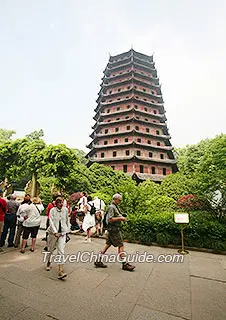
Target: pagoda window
138, 152
153, 92
135, 106
109, 120
145, 99
116, 129
113, 167
138, 140
120, 72
144, 90
105, 143
110, 91
114, 153
126, 139
127, 97
138, 118
164, 171
118, 119
115, 141
119, 89
137, 128
106, 131
149, 141
137, 97
102, 154
145, 109
157, 132
147, 130
146, 119
161, 156
118, 108
158, 144
150, 154
155, 112
127, 117
128, 128
141, 169
154, 121
128, 88
128, 107
135, 87
108, 111
119, 99
125, 168
153, 170
127, 152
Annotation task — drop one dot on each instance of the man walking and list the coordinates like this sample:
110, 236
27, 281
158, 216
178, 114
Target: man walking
114, 219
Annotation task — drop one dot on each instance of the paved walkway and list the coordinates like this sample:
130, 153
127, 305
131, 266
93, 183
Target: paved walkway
194, 289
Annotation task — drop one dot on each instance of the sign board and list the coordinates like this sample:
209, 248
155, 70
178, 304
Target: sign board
181, 217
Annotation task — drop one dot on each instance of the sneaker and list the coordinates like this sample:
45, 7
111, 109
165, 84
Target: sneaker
128, 267
61, 275
99, 264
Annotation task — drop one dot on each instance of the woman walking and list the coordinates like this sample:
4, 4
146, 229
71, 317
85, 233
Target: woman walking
58, 229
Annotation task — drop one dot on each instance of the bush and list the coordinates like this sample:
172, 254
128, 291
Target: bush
189, 202
202, 232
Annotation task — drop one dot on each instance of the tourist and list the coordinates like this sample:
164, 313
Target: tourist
99, 205
3, 208
22, 211
58, 229
10, 221
81, 209
89, 219
31, 223
114, 219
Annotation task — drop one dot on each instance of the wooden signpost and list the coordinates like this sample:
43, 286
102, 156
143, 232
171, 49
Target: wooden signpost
183, 220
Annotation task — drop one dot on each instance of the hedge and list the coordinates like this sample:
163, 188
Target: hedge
203, 230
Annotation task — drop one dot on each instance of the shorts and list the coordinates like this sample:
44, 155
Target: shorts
114, 238
30, 230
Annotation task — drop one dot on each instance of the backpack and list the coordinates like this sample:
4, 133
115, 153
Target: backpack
92, 210
105, 222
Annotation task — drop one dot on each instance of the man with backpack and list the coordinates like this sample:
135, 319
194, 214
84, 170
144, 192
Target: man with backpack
113, 219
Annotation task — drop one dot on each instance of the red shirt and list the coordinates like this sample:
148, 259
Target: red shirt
3, 209
49, 207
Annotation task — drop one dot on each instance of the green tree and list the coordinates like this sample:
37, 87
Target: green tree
6, 135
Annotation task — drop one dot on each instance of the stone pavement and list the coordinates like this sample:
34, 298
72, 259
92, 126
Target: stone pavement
194, 289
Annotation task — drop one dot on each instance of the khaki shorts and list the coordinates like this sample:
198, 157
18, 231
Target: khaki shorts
114, 238
1, 226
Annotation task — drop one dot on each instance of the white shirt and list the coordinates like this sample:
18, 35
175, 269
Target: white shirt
55, 217
34, 218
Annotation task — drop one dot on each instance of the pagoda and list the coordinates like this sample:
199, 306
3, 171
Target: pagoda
130, 133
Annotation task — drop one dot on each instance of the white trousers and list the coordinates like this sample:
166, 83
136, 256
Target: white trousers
54, 243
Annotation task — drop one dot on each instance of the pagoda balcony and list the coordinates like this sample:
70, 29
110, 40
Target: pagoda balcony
118, 77
131, 143
131, 98
126, 132
128, 62
127, 91
101, 115
132, 76
131, 119
146, 176
133, 157
168, 161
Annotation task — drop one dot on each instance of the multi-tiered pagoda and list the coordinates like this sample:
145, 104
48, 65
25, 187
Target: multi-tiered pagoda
130, 133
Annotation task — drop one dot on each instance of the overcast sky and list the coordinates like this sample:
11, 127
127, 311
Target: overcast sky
53, 53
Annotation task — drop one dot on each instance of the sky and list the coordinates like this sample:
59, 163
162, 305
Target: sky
53, 54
